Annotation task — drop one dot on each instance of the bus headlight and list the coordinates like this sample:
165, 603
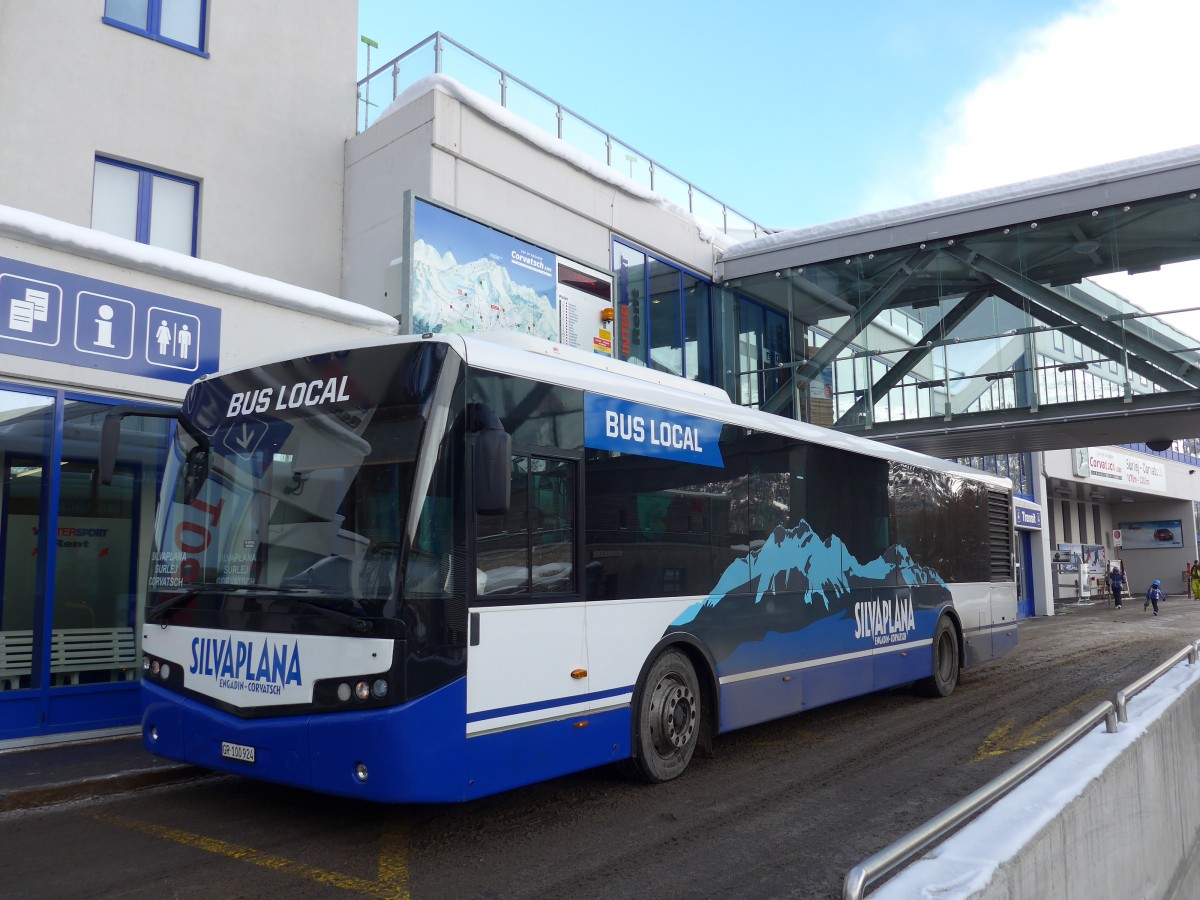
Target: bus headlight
380, 688
362, 690
360, 771
343, 692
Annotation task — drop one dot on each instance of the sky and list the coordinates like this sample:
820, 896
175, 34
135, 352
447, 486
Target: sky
803, 113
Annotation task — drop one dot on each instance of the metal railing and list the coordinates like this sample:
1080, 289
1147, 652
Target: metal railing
891, 857
487, 78
1124, 696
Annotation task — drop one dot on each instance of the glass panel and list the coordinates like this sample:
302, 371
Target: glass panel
697, 330
103, 547
630, 268
172, 214
776, 353
502, 551
25, 424
750, 332
552, 495
131, 12
666, 354
115, 200
180, 21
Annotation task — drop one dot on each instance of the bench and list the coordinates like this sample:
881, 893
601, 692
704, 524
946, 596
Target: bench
16, 658
77, 650
73, 651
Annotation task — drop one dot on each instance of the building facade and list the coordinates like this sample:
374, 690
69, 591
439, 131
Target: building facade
195, 202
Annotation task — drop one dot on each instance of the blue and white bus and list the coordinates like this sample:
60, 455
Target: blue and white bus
432, 568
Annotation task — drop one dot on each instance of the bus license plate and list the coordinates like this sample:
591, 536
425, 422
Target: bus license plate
240, 752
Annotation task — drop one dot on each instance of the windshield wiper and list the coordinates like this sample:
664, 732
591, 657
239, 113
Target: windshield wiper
362, 626
161, 610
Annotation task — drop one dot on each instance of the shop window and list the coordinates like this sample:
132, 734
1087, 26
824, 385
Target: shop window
663, 315
77, 566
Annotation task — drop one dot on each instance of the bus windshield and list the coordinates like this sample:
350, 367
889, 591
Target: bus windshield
288, 493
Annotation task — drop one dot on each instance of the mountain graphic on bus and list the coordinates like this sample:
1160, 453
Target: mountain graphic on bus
796, 580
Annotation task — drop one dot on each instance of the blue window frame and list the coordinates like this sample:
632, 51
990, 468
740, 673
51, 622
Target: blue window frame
664, 314
145, 205
179, 23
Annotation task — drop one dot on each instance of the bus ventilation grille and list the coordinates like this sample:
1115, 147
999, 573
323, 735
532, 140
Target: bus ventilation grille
1000, 536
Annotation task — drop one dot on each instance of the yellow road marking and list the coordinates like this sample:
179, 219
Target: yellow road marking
393, 858
1005, 740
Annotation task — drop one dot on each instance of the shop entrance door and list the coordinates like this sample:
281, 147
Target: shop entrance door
71, 563
1025, 604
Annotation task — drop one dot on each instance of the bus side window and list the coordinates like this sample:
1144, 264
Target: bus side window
531, 548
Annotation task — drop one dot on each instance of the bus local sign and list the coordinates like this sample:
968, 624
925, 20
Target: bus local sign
628, 427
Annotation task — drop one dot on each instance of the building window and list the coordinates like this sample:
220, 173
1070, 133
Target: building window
180, 23
664, 315
145, 206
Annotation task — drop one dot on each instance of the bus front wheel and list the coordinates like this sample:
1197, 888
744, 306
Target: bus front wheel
667, 727
945, 661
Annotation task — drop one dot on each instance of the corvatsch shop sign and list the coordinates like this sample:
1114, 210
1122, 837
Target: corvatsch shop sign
1128, 470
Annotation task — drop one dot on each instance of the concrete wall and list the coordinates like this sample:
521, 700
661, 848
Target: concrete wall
261, 122
479, 159
1113, 816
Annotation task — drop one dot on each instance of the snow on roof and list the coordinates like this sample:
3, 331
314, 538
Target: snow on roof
932, 209
555, 146
76, 239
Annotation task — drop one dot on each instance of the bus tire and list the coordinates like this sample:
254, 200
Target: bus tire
945, 661
668, 716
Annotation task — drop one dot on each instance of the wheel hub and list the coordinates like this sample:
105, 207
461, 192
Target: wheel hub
673, 716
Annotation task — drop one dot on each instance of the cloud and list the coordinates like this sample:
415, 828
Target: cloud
1109, 81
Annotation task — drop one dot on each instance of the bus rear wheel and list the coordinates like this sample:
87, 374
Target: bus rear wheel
945, 661
668, 712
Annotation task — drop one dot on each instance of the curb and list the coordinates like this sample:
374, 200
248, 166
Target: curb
63, 792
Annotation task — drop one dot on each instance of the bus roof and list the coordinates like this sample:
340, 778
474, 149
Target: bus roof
529, 357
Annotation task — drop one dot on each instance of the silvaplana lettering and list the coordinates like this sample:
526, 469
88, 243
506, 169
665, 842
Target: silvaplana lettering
305, 393
884, 621
660, 434
259, 668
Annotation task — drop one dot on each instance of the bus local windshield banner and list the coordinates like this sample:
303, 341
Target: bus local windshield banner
627, 427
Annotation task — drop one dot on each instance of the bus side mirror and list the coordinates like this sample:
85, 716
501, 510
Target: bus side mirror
492, 471
195, 473
110, 435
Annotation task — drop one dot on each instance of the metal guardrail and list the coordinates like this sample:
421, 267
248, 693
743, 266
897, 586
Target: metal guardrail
1124, 696
891, 857
660, 178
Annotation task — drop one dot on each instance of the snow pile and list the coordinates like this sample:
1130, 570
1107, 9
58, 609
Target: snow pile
554, 146
1024, 190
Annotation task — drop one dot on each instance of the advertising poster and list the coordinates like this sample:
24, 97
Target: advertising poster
469, 277
585, 309
1127, 470
1160, 535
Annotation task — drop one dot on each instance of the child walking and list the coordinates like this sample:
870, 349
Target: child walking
1154, 595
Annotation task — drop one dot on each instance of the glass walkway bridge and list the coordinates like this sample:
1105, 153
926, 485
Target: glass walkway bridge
1050, 314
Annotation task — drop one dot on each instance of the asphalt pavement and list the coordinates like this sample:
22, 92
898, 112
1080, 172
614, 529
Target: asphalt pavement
57, 773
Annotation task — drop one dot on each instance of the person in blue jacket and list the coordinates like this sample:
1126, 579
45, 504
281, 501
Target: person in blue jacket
1117, 577
1153, 595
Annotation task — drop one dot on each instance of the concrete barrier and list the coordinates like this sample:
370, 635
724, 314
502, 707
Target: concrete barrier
1116, 815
